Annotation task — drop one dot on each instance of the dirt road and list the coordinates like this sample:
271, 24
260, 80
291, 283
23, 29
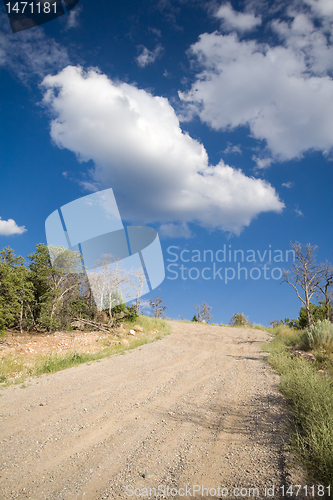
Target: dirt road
197, 409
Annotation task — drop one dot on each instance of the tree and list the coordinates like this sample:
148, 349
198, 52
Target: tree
203, 312
306, 276
238, 319
15, 290
195, 319
55, 285
137, 280
157, 308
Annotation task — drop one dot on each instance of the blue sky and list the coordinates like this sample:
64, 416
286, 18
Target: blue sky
211, 121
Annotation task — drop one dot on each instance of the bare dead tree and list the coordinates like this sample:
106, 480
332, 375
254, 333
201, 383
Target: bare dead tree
137, 280
203, 312
306, 275
108, 283
158, 309
325, 286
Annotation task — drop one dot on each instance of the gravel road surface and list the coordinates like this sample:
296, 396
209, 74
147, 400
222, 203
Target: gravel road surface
198, 409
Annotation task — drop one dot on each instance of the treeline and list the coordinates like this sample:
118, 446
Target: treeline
38, 296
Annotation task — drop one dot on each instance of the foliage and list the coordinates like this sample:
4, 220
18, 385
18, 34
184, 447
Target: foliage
52, 290
195, 319
238, 319
319, 336
15, 290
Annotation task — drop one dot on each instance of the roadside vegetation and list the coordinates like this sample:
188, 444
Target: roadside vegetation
307, 384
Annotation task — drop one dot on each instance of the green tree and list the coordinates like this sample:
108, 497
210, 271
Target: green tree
55, 286
15, 290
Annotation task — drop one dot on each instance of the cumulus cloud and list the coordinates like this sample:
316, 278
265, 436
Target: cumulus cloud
148, 56
30, 53
280, 92
158, 172
234, 20
9, 227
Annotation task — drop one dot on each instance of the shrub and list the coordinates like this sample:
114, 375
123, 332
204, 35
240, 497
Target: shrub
319, 336
238, 319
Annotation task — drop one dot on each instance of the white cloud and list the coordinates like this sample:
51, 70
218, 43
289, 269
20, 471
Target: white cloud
30, 53
234, 20
72, 18
288, 185
158, 172
148, 56
262, 163
275, 91
233, 149
322, 8
9, 227
299, 212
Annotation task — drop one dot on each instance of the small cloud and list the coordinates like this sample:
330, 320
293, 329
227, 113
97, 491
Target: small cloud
156, 32
172, 230
72, 21
232, 149
234, 20
148, 56
288, 184
65, 174
9, 227
92, 187
262, 162
299, 212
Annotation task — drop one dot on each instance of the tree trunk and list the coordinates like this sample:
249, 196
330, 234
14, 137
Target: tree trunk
21, 316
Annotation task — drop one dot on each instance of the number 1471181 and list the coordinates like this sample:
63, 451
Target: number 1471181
22, 7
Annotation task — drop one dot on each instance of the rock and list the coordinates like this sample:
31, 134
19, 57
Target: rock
124, 342
132, 332
305, 355
138, 328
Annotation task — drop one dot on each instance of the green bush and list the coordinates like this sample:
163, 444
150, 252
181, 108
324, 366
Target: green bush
319, 336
